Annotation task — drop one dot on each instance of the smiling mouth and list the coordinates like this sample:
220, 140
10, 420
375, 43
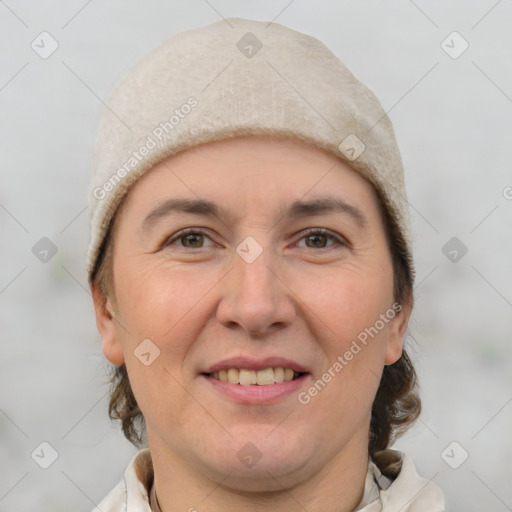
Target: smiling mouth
247, 377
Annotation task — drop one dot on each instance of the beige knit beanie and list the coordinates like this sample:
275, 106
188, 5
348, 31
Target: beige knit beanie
238, 77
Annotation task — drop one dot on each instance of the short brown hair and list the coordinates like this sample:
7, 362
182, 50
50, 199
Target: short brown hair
395, 407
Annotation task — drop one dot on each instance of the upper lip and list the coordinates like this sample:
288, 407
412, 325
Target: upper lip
254, 363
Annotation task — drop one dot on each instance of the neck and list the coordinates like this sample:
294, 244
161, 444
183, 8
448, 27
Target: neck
337, 487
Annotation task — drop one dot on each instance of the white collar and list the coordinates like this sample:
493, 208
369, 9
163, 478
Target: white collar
408, 492
374, 482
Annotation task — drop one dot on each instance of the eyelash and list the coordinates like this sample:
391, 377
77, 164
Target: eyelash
306, 234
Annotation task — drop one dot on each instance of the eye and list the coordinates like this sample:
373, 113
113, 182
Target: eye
194, 238
191, 238
319, 238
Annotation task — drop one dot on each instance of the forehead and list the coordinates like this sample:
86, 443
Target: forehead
252, 171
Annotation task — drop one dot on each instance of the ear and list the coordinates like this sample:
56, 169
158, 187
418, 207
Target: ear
107, 327
397, 329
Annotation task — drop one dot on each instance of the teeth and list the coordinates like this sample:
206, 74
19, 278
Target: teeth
233, 375
278, 375
247, 377
265, 377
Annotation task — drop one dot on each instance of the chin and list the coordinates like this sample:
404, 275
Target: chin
266, 475
261, 463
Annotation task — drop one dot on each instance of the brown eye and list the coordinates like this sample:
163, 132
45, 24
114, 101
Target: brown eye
316, 241
192, 240
320, 239
189, 239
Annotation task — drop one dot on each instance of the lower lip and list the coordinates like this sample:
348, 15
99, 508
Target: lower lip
255, 394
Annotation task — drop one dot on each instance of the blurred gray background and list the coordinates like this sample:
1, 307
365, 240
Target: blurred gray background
452, 112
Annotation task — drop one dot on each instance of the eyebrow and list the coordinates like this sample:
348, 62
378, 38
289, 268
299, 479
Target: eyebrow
300, 208
323, 205
197, 206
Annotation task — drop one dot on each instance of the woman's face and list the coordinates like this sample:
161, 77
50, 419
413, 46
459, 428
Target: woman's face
236, 258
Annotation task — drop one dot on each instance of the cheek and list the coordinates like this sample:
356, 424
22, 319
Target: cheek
348, 306
349, 301
166, 304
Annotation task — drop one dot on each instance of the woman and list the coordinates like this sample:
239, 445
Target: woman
251, 270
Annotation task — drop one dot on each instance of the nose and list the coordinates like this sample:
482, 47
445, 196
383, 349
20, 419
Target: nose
256, 297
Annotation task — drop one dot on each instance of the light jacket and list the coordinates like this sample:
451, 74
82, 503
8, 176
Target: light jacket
408, 492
